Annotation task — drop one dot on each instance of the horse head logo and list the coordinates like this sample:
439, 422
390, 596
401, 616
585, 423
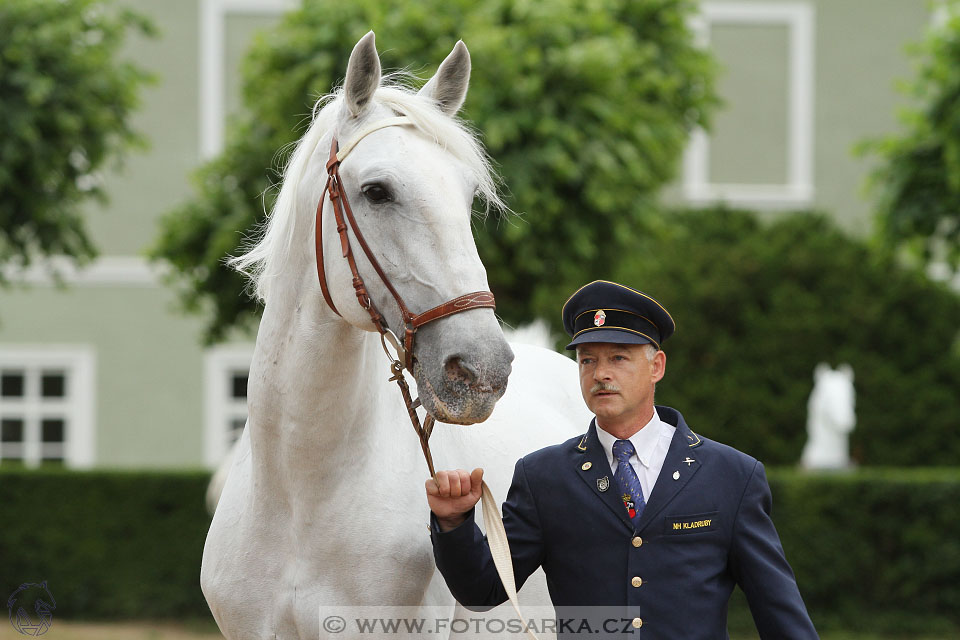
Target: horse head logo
31, 608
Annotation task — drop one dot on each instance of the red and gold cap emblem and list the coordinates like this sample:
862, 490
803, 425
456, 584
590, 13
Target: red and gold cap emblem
599, 318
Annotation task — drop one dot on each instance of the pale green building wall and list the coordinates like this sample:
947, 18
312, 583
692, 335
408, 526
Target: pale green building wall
858, 55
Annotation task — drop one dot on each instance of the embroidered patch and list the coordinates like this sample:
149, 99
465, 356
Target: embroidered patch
690, 524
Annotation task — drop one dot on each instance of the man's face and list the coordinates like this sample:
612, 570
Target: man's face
617, 383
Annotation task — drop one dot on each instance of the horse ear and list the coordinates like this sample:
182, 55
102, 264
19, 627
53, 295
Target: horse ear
846, 370
820, 370
449, 84
363, 75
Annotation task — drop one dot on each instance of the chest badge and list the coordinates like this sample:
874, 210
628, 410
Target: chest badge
689, 461
599, 318
603, 484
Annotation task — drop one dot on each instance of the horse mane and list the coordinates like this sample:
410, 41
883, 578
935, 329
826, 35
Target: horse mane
268, 255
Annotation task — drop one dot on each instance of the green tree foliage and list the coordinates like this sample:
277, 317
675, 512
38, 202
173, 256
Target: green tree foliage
586, 105
65, 106
758, 306
917, 184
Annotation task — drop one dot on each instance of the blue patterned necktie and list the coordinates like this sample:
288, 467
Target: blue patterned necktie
626, 477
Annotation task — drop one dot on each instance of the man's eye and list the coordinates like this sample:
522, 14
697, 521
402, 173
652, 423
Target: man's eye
376, 193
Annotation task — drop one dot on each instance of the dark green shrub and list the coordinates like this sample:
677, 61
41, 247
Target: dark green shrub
111, 545
875, 550
758, 306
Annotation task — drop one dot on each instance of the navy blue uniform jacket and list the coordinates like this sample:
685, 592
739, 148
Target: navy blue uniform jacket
706, 527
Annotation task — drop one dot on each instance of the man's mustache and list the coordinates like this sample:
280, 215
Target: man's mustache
603, 386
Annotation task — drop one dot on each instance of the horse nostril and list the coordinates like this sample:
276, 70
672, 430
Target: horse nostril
459, 370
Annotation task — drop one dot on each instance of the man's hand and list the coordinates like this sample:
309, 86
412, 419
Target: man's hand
452, 495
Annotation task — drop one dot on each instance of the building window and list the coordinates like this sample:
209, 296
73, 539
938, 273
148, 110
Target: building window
769, 107
46, 406
226, 370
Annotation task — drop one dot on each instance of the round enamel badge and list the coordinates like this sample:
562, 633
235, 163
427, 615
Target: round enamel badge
599, 318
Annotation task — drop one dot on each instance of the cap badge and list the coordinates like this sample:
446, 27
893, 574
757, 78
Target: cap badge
599, 318
603, 484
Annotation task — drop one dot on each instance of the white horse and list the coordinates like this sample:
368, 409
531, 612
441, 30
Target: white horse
325, 503
830, 418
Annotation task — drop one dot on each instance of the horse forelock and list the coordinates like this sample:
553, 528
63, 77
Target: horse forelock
267, 257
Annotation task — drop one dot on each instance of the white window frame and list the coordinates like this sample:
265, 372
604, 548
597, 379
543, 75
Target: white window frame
213, 22
798, 17
219, 407
79, 406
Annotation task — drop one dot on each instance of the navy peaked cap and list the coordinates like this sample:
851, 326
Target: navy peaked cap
604, 311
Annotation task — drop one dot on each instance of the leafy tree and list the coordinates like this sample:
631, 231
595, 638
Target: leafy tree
917, 184
586, 105
758, 306
66, 105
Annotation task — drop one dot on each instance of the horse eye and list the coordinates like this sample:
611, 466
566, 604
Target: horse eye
376, 193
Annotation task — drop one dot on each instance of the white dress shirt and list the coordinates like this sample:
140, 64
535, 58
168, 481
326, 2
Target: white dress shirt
650, 446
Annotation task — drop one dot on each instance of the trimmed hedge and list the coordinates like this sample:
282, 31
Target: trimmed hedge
874, 550
111, 545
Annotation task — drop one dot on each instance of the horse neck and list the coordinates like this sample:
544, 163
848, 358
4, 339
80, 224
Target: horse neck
315, 385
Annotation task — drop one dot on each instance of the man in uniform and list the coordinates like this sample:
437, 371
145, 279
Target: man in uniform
640, 515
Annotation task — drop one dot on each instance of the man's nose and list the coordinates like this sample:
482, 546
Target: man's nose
601, 372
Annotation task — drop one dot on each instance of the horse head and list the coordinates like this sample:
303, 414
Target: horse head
410, 177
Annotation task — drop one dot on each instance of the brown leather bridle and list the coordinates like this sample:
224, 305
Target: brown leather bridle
411, 322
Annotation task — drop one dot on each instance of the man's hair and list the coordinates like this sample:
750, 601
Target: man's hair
650, 351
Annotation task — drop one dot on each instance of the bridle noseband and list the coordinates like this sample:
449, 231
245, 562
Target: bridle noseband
411, 322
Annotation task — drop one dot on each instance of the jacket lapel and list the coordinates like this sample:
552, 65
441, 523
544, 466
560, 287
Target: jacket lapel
598, 475
680, 465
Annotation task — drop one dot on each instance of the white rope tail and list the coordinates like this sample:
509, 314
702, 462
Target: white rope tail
500, 550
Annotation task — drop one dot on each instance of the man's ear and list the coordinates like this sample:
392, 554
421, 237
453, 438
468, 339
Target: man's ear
659, 366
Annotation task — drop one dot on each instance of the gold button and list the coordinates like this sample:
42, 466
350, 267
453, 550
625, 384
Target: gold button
636, 581
586, 466
637, 623
637, 541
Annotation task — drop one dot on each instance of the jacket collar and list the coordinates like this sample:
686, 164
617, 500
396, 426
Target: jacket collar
680, 465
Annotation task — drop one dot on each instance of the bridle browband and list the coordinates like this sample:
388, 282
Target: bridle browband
411, 322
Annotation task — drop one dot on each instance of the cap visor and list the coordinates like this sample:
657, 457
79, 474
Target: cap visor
615, 336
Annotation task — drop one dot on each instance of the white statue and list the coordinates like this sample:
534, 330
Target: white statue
830, 419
